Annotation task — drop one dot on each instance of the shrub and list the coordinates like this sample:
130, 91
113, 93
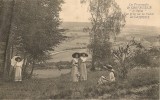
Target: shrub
141, 77
63, 64
153, 93
62, 95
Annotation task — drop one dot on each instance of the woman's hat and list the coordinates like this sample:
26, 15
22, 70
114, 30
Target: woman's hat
109, 66
74, 54
16, 59
86, 55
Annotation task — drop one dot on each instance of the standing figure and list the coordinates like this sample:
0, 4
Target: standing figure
18, 69
82, 66
74, 70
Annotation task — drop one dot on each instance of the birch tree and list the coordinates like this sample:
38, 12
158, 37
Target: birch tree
107, 20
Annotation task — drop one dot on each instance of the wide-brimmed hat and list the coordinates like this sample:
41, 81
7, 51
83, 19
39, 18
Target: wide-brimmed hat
16, 59
86, 55
108, 67
74, 54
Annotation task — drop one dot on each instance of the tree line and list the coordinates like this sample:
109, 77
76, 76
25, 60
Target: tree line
30, 28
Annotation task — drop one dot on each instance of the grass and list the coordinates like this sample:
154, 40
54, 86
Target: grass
148, 76
43, 88
62, 87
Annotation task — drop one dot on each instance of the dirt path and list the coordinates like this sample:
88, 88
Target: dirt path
50, 73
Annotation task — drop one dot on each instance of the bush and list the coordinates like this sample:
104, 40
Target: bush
62, 95
63, 64
142, 58
141, 77
147, 57
153, 93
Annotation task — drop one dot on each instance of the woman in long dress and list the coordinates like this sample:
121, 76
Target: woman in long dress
107, 79
82, 66
74, 70
18, 69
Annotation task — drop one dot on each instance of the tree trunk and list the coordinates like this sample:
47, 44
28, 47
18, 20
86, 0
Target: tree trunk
124, 71
8, 8
33, 65
93, 66
12, 51
25, 64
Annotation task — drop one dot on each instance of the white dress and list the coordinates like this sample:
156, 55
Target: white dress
83, 68
74, 70
18, 71
110, 78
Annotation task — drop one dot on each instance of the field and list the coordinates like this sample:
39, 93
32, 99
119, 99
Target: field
62, 87
54, 84
79, 40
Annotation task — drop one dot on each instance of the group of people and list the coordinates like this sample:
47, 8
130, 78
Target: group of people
79, 70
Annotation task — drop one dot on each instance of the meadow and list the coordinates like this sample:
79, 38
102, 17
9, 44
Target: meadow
79, 40
142, 83
139, 85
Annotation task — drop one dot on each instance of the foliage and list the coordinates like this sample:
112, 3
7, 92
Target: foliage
134, 54
35, 29
51, 88
124, 56
38, 33
107, 20
63, 64
141, 76
153, 93
115, 90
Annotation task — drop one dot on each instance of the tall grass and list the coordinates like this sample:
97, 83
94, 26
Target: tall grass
63, 88
143, 76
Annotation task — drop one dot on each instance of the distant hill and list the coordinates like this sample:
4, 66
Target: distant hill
75, 24
134, 29
147, 32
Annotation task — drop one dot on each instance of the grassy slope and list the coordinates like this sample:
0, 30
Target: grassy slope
62, 87
43, 88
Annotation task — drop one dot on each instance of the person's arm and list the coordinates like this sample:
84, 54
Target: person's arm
74, 63
15, 65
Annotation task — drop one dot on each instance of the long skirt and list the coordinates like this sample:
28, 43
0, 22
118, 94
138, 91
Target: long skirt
74, 74
18, 74
83, 71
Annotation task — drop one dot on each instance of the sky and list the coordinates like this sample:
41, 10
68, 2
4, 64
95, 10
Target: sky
73, 11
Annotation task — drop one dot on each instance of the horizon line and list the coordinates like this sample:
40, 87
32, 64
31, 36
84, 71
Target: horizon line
90, 22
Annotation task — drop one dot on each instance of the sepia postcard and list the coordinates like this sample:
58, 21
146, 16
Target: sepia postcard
79, 49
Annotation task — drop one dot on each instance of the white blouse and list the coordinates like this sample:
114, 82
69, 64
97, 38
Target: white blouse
19, 64
111, 77
84, 59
